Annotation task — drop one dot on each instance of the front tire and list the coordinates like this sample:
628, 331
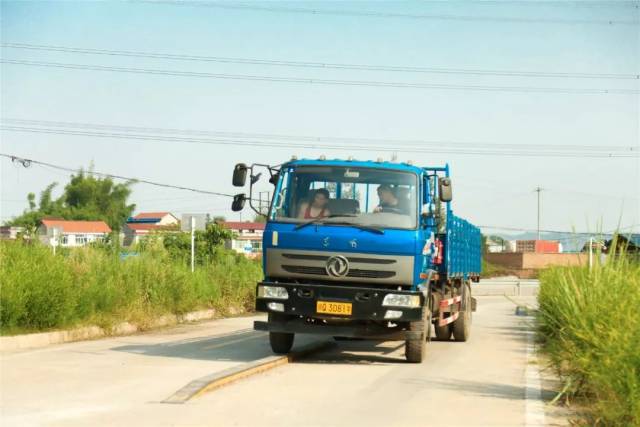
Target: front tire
281, 342
415, 350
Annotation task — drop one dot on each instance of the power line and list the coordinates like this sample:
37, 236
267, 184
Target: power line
288, 145
239, 137
364, 83
28, 162
378, 14
320, 65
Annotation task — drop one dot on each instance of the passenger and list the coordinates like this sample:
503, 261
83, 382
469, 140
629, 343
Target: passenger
318, 206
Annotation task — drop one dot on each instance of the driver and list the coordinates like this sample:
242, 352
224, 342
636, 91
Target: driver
388, 200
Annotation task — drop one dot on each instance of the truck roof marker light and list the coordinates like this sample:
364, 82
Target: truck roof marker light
294, 158
410, 162
350, 159
379, 160
323, 157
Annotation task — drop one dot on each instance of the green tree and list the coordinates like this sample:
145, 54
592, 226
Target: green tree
85, 197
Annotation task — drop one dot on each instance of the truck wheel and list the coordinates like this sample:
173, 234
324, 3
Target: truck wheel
443, 333
462, 326
281, 342
415, 350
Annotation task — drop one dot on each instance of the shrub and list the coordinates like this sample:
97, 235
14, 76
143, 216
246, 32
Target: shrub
590, 323
40, 291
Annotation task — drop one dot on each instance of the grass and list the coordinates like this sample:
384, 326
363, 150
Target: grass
40, 291
589, 322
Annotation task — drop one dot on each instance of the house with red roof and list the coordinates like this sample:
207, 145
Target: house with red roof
72, 233
247, 237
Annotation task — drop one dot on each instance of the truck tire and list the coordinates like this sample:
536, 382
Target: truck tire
443, 333
462, 326
281, 342
415, 350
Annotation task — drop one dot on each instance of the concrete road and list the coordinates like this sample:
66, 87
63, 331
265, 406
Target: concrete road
122, 381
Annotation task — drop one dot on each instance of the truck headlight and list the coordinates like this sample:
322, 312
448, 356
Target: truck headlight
274, 292
401, 300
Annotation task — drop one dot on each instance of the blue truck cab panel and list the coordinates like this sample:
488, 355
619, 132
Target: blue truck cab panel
360, 248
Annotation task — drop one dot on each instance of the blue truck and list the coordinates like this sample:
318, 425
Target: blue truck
362, 249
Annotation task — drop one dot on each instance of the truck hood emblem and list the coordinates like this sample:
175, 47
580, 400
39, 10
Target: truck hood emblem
337, 266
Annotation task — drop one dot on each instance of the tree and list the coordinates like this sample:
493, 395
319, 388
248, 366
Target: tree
85, 197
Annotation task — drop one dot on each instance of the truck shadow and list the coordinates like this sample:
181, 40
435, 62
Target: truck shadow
241, 346
358, 353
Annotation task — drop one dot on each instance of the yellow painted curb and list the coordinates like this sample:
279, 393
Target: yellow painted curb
220, 379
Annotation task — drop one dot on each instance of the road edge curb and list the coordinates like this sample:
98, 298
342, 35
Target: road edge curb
44, 339
220, 379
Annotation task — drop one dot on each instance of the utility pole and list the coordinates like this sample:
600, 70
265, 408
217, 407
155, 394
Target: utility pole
538, 190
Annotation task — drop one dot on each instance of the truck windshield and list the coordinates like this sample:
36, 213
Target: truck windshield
379, 198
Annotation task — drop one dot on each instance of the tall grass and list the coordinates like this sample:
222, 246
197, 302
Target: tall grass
590, 324
40, 291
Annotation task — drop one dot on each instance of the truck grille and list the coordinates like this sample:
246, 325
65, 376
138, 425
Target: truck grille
320, 271
365, 268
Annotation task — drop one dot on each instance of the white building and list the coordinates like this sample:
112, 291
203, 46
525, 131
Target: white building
72, 233
247, 238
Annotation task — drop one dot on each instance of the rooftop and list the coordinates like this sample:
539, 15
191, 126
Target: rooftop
77, 226
237, 225
147, 215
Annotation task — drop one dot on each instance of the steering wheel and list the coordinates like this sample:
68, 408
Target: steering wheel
390, 209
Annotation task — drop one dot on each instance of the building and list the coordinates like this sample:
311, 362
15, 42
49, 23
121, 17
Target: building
247, 237
538, 246
8, 232
72, 233
141, 225
157, 218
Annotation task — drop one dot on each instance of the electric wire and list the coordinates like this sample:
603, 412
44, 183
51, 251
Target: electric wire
400, 144
320, 65
314, 81
288, 145
379, 14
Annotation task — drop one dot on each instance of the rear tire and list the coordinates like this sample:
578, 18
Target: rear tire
461, 328
443, 333
281, 342
415, 350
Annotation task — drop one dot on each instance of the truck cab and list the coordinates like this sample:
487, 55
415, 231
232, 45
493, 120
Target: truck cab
362, 249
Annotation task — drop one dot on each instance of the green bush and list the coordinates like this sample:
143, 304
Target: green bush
590, 323
40, 291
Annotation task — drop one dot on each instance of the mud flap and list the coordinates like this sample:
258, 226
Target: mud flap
474, 303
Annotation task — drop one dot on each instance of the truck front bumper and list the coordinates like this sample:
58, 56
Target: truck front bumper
367, 318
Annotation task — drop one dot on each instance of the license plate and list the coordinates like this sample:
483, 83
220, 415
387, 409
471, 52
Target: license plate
339, 308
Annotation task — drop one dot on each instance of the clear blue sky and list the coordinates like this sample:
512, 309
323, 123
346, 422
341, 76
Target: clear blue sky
489, 190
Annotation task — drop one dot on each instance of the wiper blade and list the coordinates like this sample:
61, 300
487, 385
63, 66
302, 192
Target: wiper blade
369, 228
320, 220
375, 230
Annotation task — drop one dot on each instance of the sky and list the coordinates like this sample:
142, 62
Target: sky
584, 194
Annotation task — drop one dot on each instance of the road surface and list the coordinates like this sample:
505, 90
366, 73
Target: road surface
123, 381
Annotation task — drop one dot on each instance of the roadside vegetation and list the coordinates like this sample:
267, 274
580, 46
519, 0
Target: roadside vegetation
98, 285
589, 321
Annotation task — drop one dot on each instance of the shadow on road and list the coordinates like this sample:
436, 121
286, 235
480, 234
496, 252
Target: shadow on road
241, 346
359, 353
476, 388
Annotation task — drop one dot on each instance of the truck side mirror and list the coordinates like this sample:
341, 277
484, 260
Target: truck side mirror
444, 189
238, 202
240, 175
